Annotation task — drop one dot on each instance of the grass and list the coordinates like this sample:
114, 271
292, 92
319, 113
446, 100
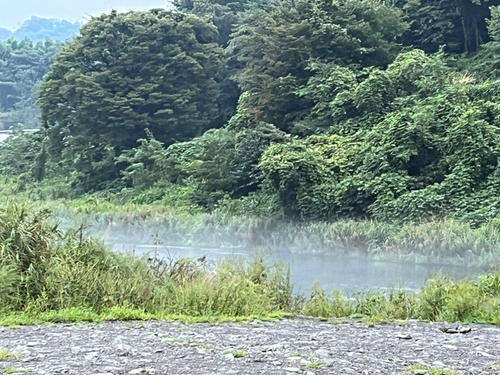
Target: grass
13, 370
314, 365
6, 354
420, 369
239, 353
52, 276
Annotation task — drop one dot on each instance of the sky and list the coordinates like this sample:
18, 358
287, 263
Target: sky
14, 12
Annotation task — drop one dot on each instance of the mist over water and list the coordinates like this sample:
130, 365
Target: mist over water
332, 271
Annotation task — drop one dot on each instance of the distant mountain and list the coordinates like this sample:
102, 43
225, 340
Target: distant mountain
38, 29
5, 34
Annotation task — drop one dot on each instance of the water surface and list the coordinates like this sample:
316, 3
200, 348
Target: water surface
331, 271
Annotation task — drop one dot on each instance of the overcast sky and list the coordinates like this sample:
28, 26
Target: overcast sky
14, 12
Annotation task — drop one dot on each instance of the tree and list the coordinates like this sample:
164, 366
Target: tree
458, 25
225, 14
277, 49
426, 145
22, 67
155, 70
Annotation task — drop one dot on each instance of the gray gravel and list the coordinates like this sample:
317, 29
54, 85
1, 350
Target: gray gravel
299, 345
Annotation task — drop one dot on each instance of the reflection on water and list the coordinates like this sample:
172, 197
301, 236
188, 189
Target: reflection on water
332, 271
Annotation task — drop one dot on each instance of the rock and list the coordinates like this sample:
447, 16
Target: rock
137, 371
323, 353
404, 337
304, 362
348, 370
420, 371
271, 348
464, 330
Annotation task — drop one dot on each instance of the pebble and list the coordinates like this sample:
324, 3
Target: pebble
279, 348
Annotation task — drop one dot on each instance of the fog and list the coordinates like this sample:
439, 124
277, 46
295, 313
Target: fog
356, 273
14, 12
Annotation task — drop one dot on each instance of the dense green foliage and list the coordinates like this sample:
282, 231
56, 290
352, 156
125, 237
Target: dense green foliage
22, 67
421, 141
39, 29
343, 113
458, 25
154, 70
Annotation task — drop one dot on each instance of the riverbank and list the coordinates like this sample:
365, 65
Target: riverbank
54, 276
299, 345
443, 241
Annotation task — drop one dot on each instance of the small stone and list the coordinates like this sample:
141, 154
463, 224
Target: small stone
464, 330
348, 370
450, 347
404, 337
270, 348
420, 371
90, 356
438, 364
137, 371
292, 369
323, 353
304, 362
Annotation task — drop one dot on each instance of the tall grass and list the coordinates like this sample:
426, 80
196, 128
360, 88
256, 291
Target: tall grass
42, 270
56, 275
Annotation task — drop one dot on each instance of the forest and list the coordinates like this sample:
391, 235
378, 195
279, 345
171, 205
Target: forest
306, 110
363, 128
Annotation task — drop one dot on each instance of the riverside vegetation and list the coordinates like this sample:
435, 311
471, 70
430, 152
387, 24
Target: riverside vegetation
47, 275
372, 134
313, 125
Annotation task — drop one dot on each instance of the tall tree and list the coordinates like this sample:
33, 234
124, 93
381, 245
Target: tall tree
277, 49
128, 72
458, 25
225, 14
22, 67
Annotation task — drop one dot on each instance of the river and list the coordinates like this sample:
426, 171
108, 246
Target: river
331, 271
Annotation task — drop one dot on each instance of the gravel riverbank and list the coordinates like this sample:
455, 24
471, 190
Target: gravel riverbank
298, 345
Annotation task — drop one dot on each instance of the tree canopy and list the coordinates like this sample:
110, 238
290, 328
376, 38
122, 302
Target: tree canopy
128, 72
346, 108
22, 67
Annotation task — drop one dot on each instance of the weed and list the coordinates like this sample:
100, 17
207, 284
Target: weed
6, 354
428, 370
239, 353
47, 275
315, 364
13, 370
